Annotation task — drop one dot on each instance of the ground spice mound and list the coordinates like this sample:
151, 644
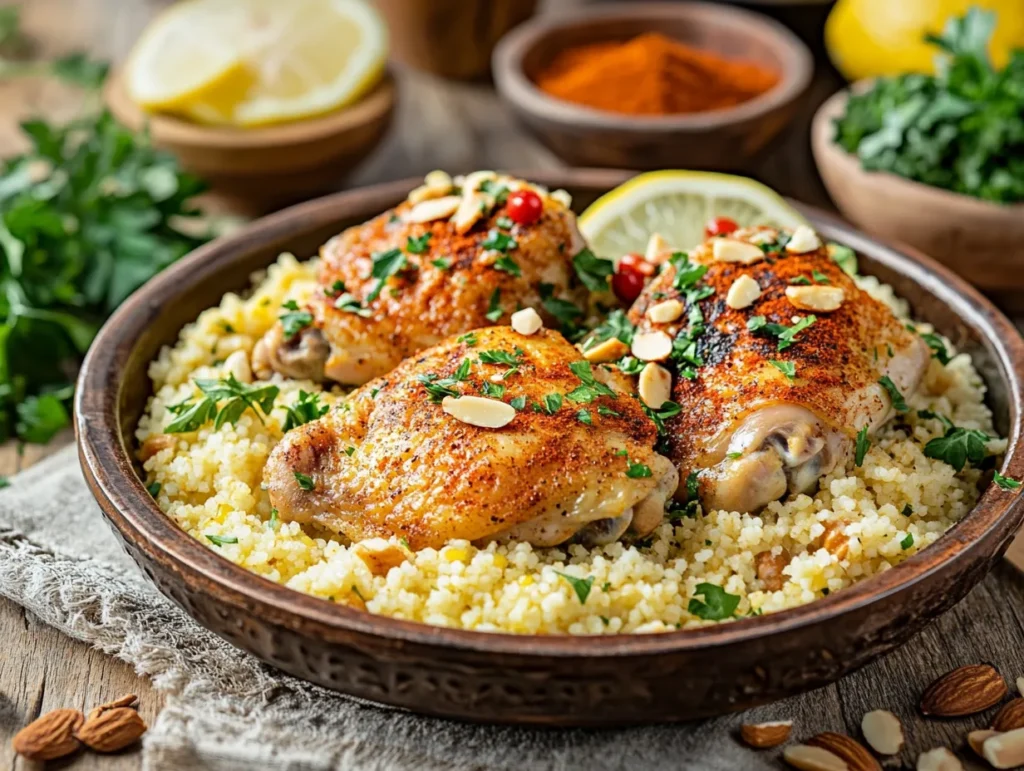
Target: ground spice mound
652, 75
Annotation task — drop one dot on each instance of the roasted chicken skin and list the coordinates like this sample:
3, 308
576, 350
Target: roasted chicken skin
396, 461
458, 263
767, 408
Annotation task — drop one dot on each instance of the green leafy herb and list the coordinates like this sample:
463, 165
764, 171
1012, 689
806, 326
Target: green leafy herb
505, 223
668, 409
441, 263
592, 270
583, 416
496, 189
502, 357
564, 311
470, 339
907, 542
616, 324
274, 519
733, 455
787, 368
898, 402
220, 540
581, 586
907, 510
385, 265
507, 265
863, 445
1006, 483
717, 605
305, 409
440, 388
335, 289
844, 257
800, 280
957, 447
153, 489
350, 451
637, 470
607, 412
687, 273
938, 346
499, 241
494, 390
786, 335
590, 388
417, 245
237, 397
494, 306
518, 403
552, 403
929, 415
348, 303
305, 482
820, 277
961, 129
295, 320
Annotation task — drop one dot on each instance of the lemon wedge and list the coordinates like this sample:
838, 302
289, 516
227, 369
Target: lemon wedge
676, 205
254, 62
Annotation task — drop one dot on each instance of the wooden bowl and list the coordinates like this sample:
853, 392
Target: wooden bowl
263, 168
719, 139
450, 38
982, 241
550, 680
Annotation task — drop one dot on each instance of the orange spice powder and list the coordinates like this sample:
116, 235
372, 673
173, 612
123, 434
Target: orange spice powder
652, 75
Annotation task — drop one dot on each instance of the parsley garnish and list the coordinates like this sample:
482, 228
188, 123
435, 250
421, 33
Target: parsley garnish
733, 455
153, 489
786, 335
272, 523
787, 368
583, 416
564, 311
820, 277
957, 447
929, 415
898, 402
507, 265
385, 265
590, 388
350, 451
305, 481
441, 263
240, 397
494, 390
938, 346
907, 542
505, 223
607, 412
617, 325
498, 241
592, 270
518, 403
470, 339
1007, 483
552, 403
335, 289
579, 585
637, 470
348, 303
668, 409
717, 605
687, 273
440, 388
844, 257
418, 245
801, 280
494, 306
502, 357
305, 409
863, 444
220, 540
496, 189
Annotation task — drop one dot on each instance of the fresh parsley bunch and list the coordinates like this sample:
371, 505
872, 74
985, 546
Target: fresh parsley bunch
962, 129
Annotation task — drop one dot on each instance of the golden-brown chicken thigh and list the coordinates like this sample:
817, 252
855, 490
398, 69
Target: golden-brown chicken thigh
447, 260
777, 360
494, 435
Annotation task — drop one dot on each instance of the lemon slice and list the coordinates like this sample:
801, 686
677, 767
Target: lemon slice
676, 205
299, 58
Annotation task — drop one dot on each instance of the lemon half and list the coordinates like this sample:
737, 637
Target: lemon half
676, 205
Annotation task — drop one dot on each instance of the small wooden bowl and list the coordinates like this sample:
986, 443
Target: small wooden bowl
259, 169
718, 139
982, 241
544, 680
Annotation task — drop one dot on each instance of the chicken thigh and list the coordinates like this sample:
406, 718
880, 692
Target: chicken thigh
494, 435
447, 260
777, 360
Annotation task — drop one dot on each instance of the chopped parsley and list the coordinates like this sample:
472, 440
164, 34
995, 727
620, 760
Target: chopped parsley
494, 306
668, 409
501, 357
518, 403
350, 451
616, 325
507, 265
581, 586
348, 303
240, 397
938, 346
1005, 483
295, 320
305, 409
505, 223
957, 447
863, 444
786, 335
907, 542
787, 368
494, 390
630, 365
470, 339
590, 388
733, 455
607, 412
819, 277
417, 245
929, 415
439, 388
442, 263
220, 540
679, 510
335, 289
552, 403
496, 189
272, 522
800, 280
385, 265
898, 402
499, 241
305, 481
637, 470
153, 489
592, 270
583, 416
687, 273
717, 605
844, 257
564, 311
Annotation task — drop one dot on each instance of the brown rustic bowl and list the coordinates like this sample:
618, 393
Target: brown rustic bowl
980, 240
263, 168
552, 680
718, 139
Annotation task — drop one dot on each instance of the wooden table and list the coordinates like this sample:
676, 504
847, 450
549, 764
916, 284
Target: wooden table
457, 127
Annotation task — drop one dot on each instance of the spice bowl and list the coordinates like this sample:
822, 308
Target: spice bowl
723, 139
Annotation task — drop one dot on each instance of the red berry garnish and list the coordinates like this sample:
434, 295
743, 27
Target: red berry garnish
719, 226
630, 277
525, 207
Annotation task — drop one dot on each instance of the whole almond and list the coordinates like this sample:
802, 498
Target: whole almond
851, 751
964, 691
49, 736
128, 700
807, 758
1010, 717
112, 730
882, 731
763, 735
976, 739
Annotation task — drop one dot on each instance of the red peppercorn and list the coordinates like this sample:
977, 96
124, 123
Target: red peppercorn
630, 276
525, 207
719, 226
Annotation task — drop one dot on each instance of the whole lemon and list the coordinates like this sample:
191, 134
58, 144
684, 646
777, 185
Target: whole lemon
869, 38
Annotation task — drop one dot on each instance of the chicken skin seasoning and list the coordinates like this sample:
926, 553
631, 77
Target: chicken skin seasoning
779, 361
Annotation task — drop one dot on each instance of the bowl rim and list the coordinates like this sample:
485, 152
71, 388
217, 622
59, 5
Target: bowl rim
108, 467
180, 133
822, 144
512, 82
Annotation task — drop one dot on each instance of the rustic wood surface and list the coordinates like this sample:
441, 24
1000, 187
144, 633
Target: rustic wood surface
459, 127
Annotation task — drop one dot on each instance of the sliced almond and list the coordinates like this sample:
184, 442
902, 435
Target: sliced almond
883, 731
654, 385
764, 735
976, 739
743, 293
1010, 717
436, 209
474, 180
807, 758
652, 346
435, 185
964, 691
658, 249
472, 207
237, 363
731, 250
803, 240
380, 555
939, 759
665, 312
611, 349
816, 298
562, 197
527, 321
1005, 750
479, 411
851, 751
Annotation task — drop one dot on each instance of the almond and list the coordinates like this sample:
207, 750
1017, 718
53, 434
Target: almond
1010, 717
964, 691
654, 385
665, 312
129, 700
976, 739
731, 250
472, 207
763, 735
434, 209
1005, 750
822, 299
49, 736
527, 321
882, 731
851, 751
652, 346
808, 758
939, 759
803, 240
610, 350
742, 293
112, 730
658, 249
380, 555
479, 411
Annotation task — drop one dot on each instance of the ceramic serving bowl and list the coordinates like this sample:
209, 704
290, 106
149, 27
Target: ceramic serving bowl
552, 680
719, 139
263, 168
982, 241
